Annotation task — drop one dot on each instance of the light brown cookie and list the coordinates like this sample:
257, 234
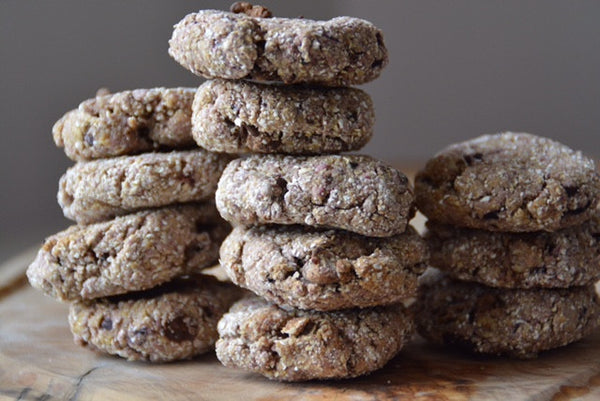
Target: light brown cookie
508, 182
244, 117
305, 268
294, 345
102, 189
565, 258
350, 192
175, 321
126, 123
340, 52
130, 253
515, 322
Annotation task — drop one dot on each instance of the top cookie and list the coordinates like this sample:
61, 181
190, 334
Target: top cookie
126, 123
350, 192
508, 182
340, 52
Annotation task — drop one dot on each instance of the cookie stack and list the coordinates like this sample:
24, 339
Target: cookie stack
514, 224
141, 194
322, 238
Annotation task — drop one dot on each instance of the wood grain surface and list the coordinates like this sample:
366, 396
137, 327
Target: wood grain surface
39, 361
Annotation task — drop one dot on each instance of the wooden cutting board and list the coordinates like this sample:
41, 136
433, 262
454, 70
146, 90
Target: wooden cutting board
38, 361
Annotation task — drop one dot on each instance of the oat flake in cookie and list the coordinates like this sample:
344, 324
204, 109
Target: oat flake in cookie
244, 117
102, 189
324, 270
565, 258
126, 123
175, 321
508, 182
350, 192
515, 322
343, 51
130, 253
294, 345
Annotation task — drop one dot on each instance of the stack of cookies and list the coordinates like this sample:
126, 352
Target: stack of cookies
141, 194
322, 238
514, 225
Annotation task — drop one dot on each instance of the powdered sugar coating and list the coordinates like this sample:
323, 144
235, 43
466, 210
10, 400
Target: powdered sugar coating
102, 189
130, 253
340, 52
128, 122
350, 192
515, 322
508, 182
294, 345
324, 270
244, 117
175, 321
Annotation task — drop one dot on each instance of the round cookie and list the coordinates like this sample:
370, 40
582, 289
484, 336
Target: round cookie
175, 321
508, 182
128, 122
305, 268
350, 192
343, 51
294, 345
130, 253
245, 117
102, 189
565, 258
515, 322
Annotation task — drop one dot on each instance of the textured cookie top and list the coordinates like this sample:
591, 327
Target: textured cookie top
339, 52
508, 182
130, 253
514, 322
128, 122
172, 322
324, 270
101, 189
565, 258
242, 117
293, 345
351, 192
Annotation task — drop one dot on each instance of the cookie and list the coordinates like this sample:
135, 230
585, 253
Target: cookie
294, 345
565, 258
244, 117
130, 253
343, 51
304, 268
350, 192
175, 321
102, 189
127, 123
508, 182
518, 323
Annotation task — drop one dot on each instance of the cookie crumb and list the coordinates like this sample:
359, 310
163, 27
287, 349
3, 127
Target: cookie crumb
244, 7
102, 92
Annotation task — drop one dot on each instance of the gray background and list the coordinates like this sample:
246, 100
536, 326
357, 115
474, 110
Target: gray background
457, 69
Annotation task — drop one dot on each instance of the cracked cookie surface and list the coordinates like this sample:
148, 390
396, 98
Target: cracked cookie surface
565, 258
343, 51
350, 192
102, 189
324, 270
244, 117
175, 321
508, 182
294, 345
128, 122
515, 322
130, 253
